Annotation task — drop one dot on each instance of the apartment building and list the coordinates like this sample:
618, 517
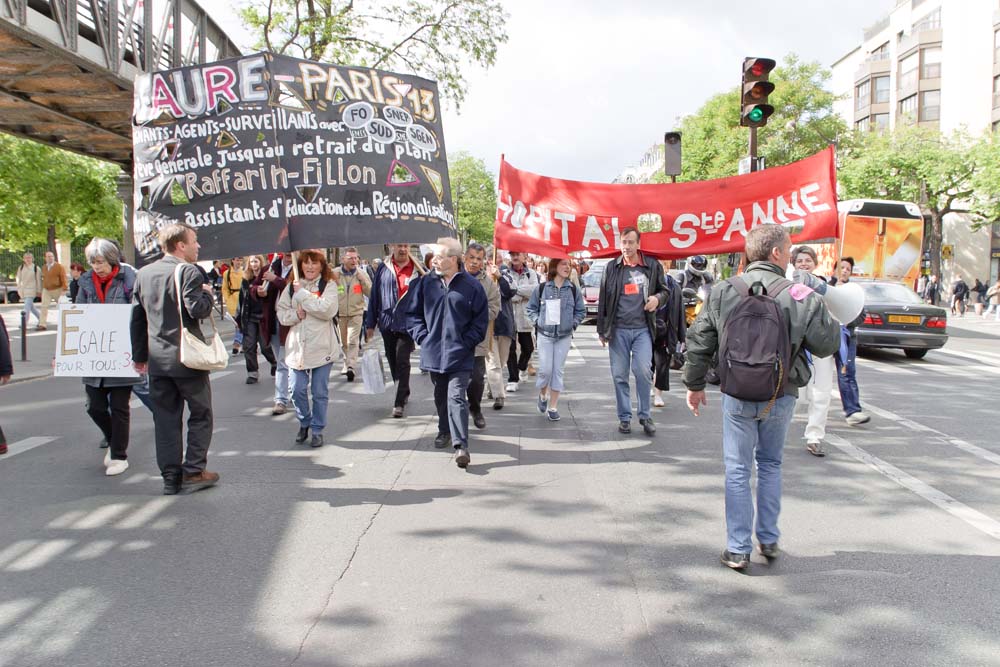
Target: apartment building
652, 162
934, 63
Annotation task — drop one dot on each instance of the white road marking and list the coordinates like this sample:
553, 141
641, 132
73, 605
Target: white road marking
884, 367
22, 446
967, 447
959, 510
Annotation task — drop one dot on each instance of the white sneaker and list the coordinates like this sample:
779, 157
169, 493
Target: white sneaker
116, 467
511, 386
658, 401
858, 418
107, 457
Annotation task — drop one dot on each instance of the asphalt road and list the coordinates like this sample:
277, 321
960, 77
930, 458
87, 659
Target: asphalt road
563, 544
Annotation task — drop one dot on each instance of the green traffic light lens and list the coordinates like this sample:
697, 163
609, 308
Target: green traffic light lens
755, 115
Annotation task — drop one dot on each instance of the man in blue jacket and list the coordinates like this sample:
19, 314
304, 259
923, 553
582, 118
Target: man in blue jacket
391, 282
448, 317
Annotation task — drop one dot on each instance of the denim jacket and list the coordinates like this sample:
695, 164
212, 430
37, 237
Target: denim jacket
571, 311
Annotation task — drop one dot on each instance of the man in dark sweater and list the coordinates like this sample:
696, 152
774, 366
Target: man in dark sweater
447, 316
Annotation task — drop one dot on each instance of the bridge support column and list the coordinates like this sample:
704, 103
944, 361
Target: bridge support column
128, 216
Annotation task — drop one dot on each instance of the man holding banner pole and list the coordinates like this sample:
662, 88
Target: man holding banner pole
632, 288
392, 280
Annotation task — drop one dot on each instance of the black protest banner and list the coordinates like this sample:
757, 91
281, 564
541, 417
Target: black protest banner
272, 153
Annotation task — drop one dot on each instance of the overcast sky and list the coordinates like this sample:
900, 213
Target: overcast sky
584, 87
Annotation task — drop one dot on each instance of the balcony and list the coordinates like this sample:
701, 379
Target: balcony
915, 40
877, 27
877, 63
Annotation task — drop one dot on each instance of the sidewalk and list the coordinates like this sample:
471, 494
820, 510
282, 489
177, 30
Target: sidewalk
41, 344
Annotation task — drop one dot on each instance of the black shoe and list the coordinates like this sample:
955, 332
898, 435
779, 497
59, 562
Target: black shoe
350, 375
274, 370
171, 485
769, 551
624, 427
443, 440
317, 440
648, 427
251, 380
303, 435
479, 420
104, 443
498, 404
735, 561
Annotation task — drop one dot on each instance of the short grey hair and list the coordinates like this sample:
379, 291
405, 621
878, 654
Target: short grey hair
764, 238
450, 247
105, 249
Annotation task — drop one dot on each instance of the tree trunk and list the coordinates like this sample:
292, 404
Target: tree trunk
51, 240
934, 242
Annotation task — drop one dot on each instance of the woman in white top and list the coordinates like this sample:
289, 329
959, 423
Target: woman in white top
307, 308
820, 387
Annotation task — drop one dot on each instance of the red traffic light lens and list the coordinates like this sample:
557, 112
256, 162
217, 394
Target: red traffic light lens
757, 69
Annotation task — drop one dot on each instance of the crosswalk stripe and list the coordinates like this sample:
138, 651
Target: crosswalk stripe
959, 510
22, 446
967, 447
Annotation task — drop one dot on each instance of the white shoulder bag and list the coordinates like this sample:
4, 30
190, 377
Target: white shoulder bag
195, 354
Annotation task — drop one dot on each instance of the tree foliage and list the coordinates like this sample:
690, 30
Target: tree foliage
43, 187
473, 192
433, 38
803, 123
943, 174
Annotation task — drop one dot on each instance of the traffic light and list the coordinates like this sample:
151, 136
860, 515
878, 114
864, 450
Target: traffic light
672, 153
756, 88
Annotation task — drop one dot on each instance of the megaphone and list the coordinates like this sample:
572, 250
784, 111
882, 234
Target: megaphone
845, 301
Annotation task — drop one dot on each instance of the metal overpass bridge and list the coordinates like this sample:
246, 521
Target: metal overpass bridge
67, 66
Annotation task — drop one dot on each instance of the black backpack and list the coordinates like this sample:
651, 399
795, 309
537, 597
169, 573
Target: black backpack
754, 350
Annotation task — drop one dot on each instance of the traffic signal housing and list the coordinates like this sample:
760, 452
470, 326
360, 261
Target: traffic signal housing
672, 153
755, 109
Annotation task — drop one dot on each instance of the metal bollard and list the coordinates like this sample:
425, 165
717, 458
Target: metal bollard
24, 336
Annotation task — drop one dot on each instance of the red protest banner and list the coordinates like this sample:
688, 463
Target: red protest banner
553, 217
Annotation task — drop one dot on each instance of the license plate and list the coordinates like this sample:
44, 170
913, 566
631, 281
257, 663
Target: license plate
904, 319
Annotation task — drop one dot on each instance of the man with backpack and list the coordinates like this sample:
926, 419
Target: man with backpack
761, 325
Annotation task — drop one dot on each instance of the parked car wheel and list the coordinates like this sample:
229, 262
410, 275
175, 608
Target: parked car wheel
915, 354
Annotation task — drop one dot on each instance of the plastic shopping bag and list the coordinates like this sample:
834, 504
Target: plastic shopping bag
373, 372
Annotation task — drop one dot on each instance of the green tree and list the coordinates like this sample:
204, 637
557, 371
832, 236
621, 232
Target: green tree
942, 174
473, 192
432, 38
803, 123
46, 193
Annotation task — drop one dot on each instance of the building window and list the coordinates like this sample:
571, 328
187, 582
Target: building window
908, 67
881, 94
996, 92
881, 122
862, 96
932, 63
996, 127
996, 46
862, 125
908, 109
930, 105
881, 53
930, 22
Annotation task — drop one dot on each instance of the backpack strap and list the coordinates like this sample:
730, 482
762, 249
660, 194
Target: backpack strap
739, 285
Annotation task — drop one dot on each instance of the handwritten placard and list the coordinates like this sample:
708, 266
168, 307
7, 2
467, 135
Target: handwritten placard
93, 341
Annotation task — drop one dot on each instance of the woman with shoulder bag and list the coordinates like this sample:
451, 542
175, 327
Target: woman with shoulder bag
556, 309
253, 317
109, 281
307, 308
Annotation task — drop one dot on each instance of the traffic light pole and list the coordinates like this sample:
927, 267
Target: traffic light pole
753, 149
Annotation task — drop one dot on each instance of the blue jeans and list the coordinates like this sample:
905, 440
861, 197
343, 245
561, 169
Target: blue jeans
29, 308
847, 381
552, 354
281, 386
450, 399
744, 439
314, 419
631, 348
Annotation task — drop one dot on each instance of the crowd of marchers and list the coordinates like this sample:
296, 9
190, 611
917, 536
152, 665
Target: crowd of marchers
480, 328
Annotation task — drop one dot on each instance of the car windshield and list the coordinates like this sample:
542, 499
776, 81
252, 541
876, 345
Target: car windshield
889, 293
592, 278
